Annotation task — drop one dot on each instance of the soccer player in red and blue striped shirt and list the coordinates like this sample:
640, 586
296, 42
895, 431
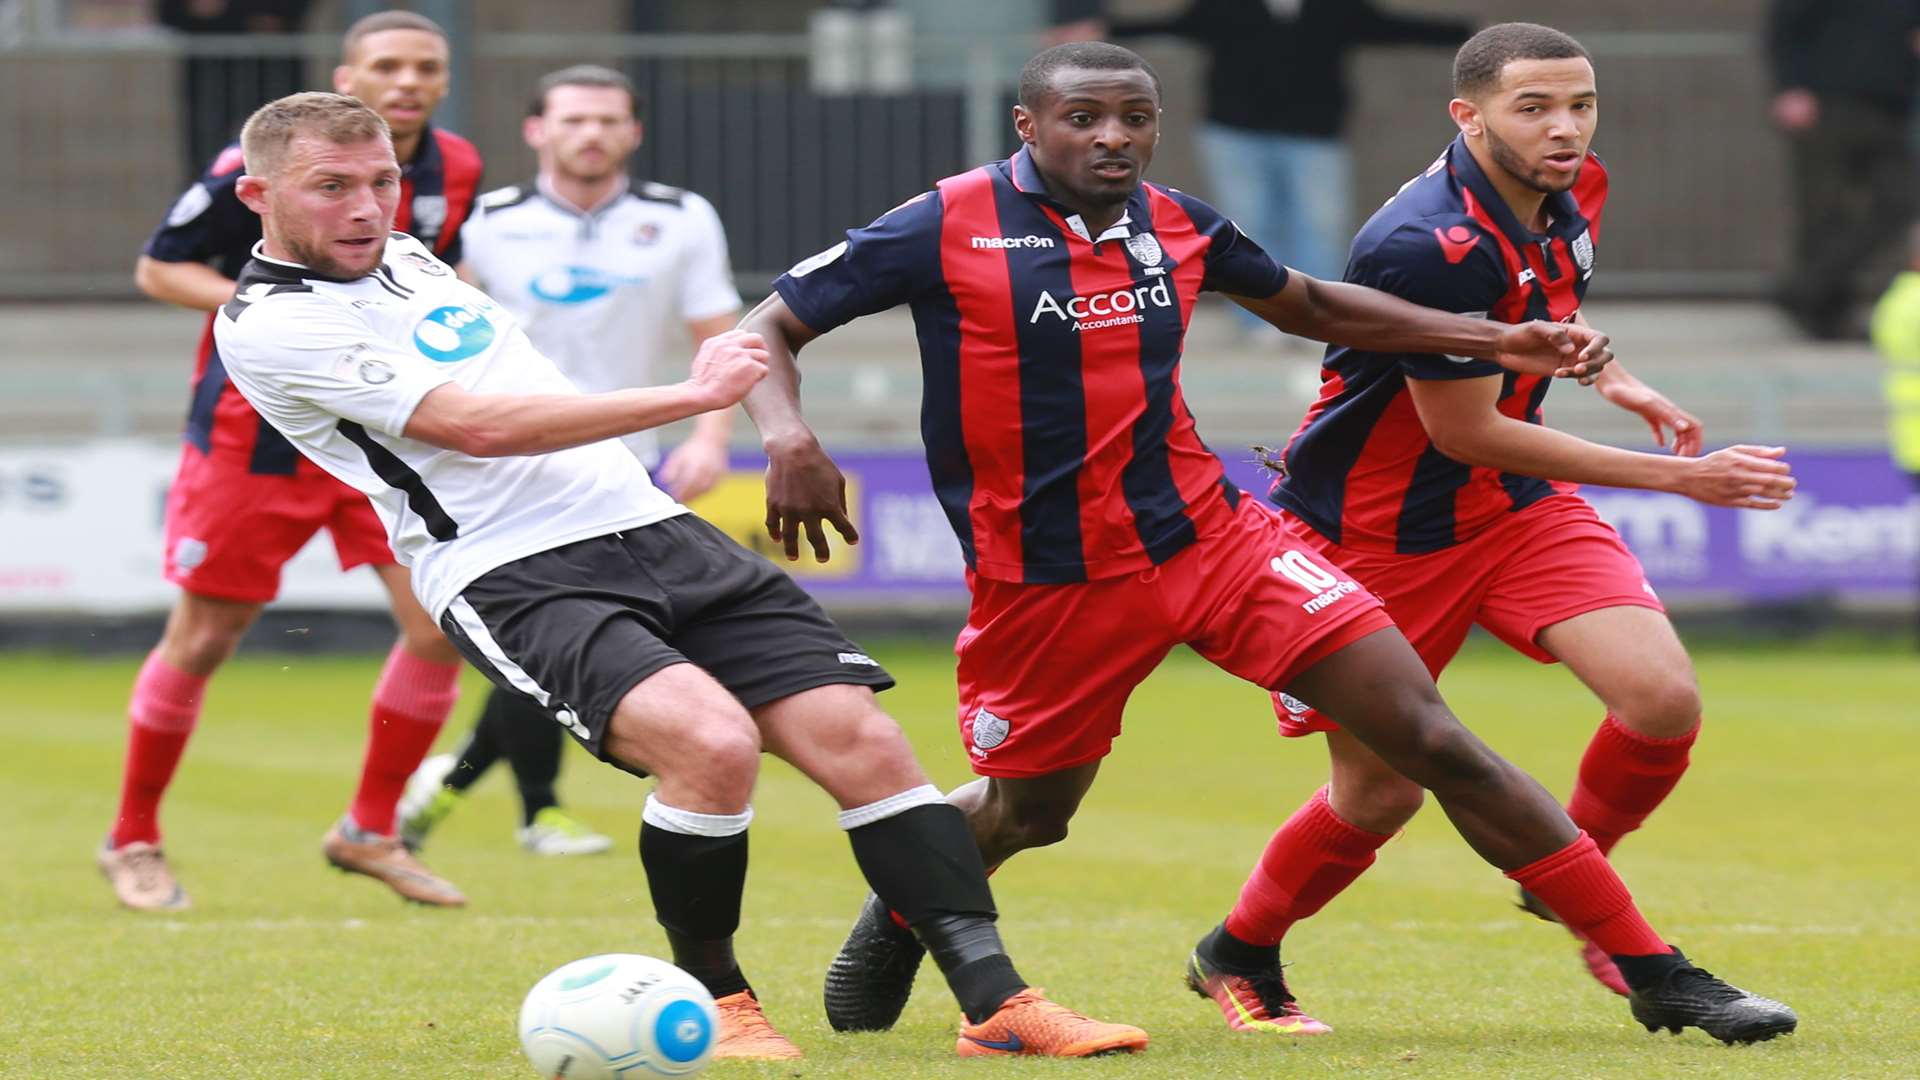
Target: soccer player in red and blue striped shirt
1433, 481
1051, 294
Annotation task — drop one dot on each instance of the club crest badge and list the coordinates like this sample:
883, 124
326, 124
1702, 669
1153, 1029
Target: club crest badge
989, 730
1582, 247
423, 263
1144, 248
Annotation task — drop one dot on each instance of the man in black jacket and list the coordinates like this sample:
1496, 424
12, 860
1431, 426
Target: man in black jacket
1276, 105
1844, 80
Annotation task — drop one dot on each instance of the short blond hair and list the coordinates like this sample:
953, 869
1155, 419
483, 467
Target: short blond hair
336, 118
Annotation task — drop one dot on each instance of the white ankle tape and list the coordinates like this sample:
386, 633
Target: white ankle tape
687, 823
924, 795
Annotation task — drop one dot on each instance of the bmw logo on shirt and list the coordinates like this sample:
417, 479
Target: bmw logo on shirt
453, 333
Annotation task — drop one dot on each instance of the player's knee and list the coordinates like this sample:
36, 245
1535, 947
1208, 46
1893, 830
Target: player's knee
1453, 758
1380, 805
724, 748
424, 640
199, 648
1032, 824
1662, 708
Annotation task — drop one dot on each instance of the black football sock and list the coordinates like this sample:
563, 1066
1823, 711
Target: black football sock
482, 747
532, 742
1648, 972
696, 882
1229, 953
923, 864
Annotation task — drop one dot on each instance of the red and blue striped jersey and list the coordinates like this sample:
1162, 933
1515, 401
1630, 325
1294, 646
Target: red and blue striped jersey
209, 224
1360, 469
1056, 433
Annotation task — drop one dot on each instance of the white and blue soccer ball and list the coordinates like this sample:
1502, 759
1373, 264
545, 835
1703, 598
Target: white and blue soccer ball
618, 1016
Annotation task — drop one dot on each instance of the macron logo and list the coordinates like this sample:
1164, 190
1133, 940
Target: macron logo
1457, 242
997, 242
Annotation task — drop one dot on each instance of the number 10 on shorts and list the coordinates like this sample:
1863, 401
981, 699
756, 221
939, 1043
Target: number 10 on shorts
1322, 587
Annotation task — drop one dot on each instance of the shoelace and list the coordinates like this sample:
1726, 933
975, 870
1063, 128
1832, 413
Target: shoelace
1271, 988
747, 1020
1714, 989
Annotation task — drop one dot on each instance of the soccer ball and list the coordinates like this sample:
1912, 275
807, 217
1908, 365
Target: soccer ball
618, 1016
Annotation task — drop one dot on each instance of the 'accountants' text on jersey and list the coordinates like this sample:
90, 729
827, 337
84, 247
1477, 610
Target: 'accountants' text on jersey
1116, 308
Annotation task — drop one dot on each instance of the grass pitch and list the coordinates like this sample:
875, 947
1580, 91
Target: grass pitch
1785, 862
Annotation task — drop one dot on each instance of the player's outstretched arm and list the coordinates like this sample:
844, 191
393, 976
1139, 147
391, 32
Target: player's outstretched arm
503, 425
1461, 418
1366, 318
804, 487
188, 284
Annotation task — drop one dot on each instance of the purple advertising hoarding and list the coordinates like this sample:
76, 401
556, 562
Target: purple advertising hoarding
1852, 531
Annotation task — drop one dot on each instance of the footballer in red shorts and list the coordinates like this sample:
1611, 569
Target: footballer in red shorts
1051, 294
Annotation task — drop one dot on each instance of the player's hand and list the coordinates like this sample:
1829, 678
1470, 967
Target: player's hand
1562, 350
693, 468
1672, 425
728, 365
1743, 477
805, 489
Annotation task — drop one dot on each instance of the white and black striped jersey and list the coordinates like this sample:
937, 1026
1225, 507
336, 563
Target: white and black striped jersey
338, 368
606, 293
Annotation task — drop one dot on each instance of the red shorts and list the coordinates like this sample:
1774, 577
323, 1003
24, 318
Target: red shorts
229, 531
1543, 565
1045, 670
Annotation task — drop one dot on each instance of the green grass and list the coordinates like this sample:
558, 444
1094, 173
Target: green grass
1786, 862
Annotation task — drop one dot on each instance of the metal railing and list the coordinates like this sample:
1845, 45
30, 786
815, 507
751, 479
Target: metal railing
95, 129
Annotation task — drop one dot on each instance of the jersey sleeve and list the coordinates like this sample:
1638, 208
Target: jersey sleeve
306, 361
884, 265
1452, 264
706, 279
1235, 264
475, 249
208, 220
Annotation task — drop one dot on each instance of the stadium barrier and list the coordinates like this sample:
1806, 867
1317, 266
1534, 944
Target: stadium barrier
791, 149
83, 535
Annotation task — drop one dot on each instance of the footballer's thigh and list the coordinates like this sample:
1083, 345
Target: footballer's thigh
840, 738
1633, 661
1570, 590
680, 725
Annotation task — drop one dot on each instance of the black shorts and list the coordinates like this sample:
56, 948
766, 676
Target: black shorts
577, 627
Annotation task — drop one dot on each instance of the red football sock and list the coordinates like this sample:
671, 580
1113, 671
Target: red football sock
1313, 857
1579, 886
410, 703
1624, 776
161, 716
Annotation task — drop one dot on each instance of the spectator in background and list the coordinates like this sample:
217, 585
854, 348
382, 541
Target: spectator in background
1896, 333
217, 93
1844, 77
1276, 106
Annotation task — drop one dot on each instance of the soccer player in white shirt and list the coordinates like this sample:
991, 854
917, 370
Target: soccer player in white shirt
559, 570
602, 274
